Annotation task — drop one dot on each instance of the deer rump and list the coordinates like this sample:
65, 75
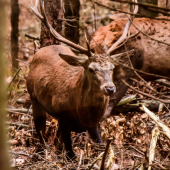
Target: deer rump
152, 57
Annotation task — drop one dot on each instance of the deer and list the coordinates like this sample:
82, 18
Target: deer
75, 90
153, 57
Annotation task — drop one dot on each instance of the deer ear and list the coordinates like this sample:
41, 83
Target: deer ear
75, 60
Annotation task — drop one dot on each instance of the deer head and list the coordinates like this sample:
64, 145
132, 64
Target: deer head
98, 67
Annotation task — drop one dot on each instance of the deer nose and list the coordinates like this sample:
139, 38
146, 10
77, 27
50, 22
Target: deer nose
110, 89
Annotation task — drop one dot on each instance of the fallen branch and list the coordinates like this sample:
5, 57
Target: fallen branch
151, 104
19, 110
111, 157
105, 153
155, 134
20, 153
146, 85
162, 127
81, 155
151, 88
137, 150
91, 166
126, 100
12, 112
145, 94
163, 82
21, 101
17, 124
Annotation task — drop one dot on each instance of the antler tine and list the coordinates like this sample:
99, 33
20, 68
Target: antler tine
35, 10
43, 18
124, 35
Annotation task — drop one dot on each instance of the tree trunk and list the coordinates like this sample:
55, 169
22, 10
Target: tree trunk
72, 12
14, 33
4, 159
147, 11
54, 13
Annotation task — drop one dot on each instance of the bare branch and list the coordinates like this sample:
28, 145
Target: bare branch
148, 86
145, 94
143, 4
139, 15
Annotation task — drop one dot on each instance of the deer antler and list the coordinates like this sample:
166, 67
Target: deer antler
44, 20
35, 10
124, 35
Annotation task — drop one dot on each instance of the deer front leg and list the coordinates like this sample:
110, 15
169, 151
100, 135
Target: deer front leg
65, 138
95, 134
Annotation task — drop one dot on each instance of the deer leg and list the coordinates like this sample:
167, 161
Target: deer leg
95, 134
39, 116
65, 134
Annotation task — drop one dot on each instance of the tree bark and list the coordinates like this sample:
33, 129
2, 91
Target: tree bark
72, 12
147, 11
4, 159
14, 33
54, 13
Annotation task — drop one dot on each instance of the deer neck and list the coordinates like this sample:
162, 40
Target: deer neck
92, 104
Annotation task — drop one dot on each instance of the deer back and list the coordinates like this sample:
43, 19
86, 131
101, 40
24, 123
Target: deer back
51, 78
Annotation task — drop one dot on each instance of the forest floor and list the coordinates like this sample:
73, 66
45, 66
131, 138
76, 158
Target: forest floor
128, 135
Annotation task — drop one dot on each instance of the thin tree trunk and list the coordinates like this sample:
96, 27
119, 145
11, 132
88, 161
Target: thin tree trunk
14, 33
4, 159
54, 13
72, 27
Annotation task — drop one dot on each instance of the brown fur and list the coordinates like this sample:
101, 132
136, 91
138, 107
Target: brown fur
150, 56
155, 55
57, 83
69, 93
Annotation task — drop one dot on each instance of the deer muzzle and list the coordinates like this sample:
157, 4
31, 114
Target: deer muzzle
110, 89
